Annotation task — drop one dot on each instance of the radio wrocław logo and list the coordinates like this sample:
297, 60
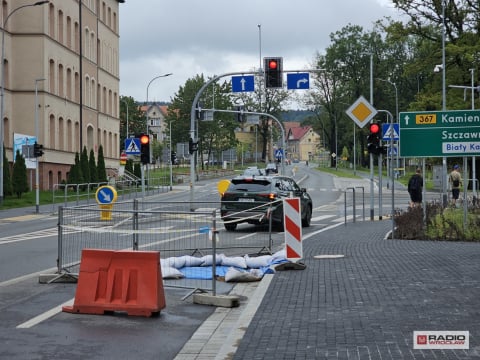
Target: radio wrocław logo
441, 339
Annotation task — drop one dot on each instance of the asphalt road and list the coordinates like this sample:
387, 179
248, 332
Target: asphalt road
33, 327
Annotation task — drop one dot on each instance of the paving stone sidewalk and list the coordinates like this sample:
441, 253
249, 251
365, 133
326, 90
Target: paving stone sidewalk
367, 304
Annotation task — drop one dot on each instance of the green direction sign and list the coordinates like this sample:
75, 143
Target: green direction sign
440, 133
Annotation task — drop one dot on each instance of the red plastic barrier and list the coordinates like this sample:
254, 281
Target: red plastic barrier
109, 280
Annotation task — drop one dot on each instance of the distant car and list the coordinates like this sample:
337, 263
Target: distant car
271, 168
253, 171
247, 199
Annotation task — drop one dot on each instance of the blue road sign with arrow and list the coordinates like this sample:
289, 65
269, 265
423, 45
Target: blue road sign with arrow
106, 195
298, 81
243, 83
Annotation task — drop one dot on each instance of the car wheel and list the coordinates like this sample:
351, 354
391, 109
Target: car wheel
308, 217
278, 226
230, 226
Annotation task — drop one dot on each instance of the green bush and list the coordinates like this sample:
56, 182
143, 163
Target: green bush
440, 224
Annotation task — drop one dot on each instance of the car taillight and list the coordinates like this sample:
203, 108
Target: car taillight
272, 196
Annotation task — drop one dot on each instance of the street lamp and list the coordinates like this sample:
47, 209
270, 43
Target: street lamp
171, 162
2, 91
37, 135
155, 78
126, 104
444, 107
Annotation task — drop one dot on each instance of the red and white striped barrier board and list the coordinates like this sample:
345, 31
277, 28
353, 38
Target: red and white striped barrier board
293, 228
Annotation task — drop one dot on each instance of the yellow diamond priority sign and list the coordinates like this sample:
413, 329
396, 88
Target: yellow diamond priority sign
361, 112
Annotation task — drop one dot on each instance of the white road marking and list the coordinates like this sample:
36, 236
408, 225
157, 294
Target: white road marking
46, 315
322, 217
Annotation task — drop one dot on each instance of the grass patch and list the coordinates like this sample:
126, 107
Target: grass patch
345, 173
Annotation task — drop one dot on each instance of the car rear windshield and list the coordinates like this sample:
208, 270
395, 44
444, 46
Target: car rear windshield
249, 185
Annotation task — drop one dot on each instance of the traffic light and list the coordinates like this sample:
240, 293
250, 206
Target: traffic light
192, 146
199, 114
273, 72
37, 149
173, 158
373, 139
144, 148
241, 118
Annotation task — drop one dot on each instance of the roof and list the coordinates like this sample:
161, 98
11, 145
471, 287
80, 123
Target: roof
297, 133
163, 108
290, 124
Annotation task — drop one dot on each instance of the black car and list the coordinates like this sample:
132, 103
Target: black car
271, 168
253, 171
252, 199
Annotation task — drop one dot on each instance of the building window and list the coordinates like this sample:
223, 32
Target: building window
69, 84
61, 91
69, 32
52, 76
60, 26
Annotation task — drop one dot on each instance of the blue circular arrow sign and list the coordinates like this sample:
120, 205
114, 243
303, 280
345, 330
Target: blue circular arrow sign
106, 195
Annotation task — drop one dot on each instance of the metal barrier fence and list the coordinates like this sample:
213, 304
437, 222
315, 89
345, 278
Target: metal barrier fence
171, 228
354, 203
85, 193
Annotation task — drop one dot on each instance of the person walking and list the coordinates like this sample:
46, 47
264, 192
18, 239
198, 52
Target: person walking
455, 180
415, 188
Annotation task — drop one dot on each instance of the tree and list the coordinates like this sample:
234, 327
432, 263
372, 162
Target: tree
19, 177
92, 167
136, 119
84, 165
344, 79
101, 170
75, 175
137, 170
7, 180
157, 150
129, 166
462, 46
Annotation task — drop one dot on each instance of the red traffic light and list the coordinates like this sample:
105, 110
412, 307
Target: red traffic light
144, 139
374, 128
273, 64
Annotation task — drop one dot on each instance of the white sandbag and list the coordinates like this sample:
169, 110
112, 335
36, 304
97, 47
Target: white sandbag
176, 262
238, 275
279, 255
192, 260
169, 272
238, 261
207, 260
258, 261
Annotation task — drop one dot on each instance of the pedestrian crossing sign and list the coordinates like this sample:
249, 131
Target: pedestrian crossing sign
390, 132
132, 146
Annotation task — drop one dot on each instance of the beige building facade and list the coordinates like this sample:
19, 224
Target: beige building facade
64, 57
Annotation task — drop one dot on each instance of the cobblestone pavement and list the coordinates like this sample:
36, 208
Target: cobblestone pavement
367, 304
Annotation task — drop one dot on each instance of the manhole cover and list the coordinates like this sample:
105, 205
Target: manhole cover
329, 256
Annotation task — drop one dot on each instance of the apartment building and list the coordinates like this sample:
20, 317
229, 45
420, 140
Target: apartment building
61, 76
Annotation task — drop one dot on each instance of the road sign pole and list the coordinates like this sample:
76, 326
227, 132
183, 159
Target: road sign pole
372, 210
380, 186
142, 167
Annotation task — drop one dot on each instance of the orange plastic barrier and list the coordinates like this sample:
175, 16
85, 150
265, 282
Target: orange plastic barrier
109, 280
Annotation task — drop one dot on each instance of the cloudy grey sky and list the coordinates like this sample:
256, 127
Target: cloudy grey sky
189, 37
